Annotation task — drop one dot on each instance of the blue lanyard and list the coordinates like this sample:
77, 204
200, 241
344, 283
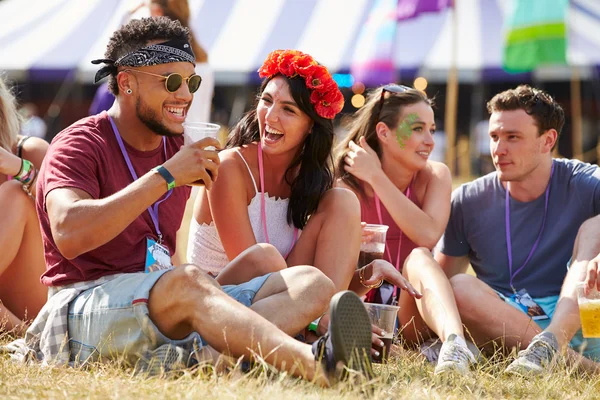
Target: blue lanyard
153, 209
537, 241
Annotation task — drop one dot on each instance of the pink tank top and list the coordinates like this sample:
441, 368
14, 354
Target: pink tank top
368, 212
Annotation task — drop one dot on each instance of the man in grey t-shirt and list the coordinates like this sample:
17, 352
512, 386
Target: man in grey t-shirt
518, 227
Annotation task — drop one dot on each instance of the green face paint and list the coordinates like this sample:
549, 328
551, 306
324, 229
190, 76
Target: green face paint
404, 131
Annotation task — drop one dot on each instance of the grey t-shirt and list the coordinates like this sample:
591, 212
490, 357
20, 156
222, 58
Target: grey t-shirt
477, 228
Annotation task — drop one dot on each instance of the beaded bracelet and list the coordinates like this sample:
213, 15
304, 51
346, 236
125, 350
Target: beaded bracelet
361, 278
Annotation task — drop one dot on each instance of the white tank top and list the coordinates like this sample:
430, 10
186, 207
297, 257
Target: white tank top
206, 250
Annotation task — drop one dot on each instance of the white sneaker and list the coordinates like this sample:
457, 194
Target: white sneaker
431, 350
454, 357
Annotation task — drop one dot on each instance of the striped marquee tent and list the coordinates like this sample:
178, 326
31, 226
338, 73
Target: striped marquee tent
48, 39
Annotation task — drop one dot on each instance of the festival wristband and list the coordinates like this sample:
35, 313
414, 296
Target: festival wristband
26, 167
314, 325
166, 175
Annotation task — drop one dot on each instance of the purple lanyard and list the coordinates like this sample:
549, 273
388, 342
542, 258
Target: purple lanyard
537, 241
153, 209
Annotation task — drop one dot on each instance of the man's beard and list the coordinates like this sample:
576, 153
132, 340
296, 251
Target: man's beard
150, 119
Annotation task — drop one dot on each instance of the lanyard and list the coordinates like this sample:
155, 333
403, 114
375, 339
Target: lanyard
508, 240
153, 209
387, 248
263, 212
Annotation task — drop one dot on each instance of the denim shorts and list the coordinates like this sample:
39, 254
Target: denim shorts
111, 321
589, 347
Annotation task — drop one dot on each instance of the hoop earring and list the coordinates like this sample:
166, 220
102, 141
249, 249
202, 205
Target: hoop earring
129, 91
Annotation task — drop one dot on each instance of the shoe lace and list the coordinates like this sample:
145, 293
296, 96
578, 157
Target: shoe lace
538, 352
456, 354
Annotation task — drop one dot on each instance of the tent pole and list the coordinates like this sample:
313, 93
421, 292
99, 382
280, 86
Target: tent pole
452, 97
576, 131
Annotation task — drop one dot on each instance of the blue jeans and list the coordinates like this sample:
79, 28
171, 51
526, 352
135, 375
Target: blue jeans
111, 321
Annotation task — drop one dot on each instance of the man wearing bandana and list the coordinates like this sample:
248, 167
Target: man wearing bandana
113, 192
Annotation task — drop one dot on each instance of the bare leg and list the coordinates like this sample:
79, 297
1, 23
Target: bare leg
302, 291
565, 322
22, 262
331, 239
437, 309
488, 319
492, 323
229, 327
255, 261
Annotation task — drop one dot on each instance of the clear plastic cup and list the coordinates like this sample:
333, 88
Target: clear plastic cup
384, 317
194, 131
589, 310
373, 247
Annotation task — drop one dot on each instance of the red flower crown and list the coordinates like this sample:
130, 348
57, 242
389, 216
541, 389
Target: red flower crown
325, 94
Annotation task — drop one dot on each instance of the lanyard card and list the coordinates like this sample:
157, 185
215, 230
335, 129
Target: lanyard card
528, 305
157, 256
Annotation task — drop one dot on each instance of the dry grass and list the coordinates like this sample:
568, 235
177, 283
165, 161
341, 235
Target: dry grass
407, 376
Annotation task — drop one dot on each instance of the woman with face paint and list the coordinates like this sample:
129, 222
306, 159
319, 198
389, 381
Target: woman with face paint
384, 160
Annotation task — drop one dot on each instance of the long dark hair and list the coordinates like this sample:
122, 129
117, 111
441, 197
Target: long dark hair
365, 121
315, 160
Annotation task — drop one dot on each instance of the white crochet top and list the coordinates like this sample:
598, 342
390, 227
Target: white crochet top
206, 250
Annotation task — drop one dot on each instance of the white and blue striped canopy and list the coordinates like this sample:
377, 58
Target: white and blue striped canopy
46, 39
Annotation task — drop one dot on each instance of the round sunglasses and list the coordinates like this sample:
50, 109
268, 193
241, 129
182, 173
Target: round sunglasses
174, 81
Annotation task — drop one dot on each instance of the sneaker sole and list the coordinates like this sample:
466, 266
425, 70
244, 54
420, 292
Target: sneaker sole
350, 332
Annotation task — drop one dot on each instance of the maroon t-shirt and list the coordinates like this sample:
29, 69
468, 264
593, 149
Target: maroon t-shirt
87, 156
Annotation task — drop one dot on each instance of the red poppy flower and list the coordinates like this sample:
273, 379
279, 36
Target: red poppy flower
271, 65
287, 64
318, 78
325, 94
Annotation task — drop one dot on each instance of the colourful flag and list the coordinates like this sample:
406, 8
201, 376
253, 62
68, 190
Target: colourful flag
408, 9
373, 54
536, 33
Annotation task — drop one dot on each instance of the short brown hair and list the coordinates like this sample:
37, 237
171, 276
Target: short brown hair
546, 112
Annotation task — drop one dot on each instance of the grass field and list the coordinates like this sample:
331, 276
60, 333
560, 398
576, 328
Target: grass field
407, 376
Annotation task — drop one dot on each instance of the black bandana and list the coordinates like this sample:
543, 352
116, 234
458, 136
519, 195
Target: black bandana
155, 54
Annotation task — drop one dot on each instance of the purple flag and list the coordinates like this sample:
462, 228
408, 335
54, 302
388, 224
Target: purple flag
372, 62
408, 9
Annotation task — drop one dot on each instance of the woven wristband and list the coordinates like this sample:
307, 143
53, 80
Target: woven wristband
166, 176
314, 325
26, 167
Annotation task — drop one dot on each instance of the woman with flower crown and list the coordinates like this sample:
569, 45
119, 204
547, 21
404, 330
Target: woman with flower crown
384, 160
275, 185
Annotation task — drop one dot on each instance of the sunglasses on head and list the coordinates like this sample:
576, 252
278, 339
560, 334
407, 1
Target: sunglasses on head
391, 88
174, 81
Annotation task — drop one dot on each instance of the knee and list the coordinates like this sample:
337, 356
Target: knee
419, 255
465, 288
190, 278
265, 258
14, 199
318, 288
341, 200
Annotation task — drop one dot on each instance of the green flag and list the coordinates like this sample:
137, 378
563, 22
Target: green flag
536, 33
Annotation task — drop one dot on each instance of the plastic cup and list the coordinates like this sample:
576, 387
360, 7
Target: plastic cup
589, 310
384, 317
194, 131
375, 246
